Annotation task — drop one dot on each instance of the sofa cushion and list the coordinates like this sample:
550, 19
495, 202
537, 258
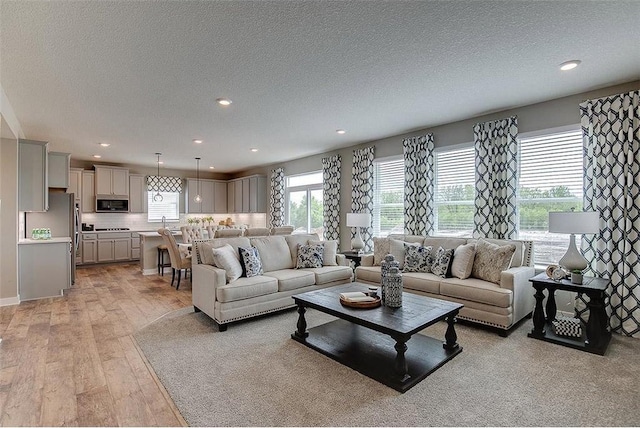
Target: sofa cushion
274, 252
446, 243
245, 288
476, 290
310, 256
291, 279
381, 247
417, 258
442, 262
491, 260
330, 253
251, 263
421, 281
226, 258
205, 247
327, 274
368, 273
463, 260
293, 241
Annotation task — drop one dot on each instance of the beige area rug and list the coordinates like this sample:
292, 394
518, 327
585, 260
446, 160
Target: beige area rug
254, 374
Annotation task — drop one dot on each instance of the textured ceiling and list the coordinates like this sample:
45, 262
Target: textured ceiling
144, 76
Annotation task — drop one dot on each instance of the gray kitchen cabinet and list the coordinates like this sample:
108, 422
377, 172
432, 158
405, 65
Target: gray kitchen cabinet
75, 183
137, 193
44, 268
89, 248
220, 197
135, 246
231, 196
257, 194
111, 181
33, 188
207, 190
238, 197
59, 164
88, 192
114, 247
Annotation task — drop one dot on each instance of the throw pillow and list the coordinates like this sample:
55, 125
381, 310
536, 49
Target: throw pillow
380, 249
396, 249
491, 260
225, 258
463, 260
252, 266
417, 258
329, 257
442, 263
310, 256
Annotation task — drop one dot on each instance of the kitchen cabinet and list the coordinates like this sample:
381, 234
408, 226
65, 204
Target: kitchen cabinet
33, 188
89, 248
220, 197
211, 202
135, 246
137, 193
257, 194
75, 183
88, 192
238, 197
44, 267
58, 174
231, 196
114, 246
247, 195
111, 181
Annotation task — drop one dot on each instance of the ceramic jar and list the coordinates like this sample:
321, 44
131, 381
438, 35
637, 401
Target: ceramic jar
393, 287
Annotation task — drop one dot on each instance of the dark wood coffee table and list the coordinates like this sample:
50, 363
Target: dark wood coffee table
374, 341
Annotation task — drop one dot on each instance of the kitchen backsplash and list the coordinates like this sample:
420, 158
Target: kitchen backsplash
139, 221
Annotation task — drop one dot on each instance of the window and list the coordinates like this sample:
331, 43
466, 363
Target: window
551, 179
304, 203
388, 196
169, 207
455, 192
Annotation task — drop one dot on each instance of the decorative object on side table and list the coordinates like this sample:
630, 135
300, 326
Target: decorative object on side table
358, 220
574, 222
576, 276
392, 286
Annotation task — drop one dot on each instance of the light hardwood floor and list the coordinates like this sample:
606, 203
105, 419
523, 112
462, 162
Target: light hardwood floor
73, 361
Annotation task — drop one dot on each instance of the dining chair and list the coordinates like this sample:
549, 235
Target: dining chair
257, 231
178, 261
189, 233
227, 233
282, 230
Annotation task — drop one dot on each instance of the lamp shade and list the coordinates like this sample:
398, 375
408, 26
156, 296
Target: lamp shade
358, 219
577, 222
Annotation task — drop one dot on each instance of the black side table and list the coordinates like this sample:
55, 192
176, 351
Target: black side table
597, 335
355, 256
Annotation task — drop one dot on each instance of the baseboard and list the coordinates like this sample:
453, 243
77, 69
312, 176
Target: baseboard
153, 271
10, 301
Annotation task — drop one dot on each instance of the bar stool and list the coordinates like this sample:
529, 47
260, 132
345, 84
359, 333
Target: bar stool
162, 250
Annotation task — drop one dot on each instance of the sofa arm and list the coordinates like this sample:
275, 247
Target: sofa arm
367, 260
342, 260
517, 280
204, 281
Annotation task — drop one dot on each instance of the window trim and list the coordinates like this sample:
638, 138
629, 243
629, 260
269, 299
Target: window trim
307, 188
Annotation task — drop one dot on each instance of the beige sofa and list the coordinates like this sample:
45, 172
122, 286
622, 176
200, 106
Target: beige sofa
249, 297
497, 305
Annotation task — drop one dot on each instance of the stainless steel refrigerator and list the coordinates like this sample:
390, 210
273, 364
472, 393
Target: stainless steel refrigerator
63, 218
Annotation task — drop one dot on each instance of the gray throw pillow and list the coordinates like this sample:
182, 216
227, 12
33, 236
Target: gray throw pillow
310, 256
442, 263
417, 258
251, 264
491, 260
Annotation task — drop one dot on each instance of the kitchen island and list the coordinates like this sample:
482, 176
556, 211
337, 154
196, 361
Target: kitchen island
149, 242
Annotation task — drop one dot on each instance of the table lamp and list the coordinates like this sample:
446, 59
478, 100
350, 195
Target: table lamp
358, 220
573, 222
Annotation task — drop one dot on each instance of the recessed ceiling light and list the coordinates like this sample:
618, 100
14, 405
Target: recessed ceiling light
253, 149
341, 131
223, 101
105, 144
212, 167
570, 65
197, 141
97, 156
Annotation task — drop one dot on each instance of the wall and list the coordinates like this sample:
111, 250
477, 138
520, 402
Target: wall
8, 215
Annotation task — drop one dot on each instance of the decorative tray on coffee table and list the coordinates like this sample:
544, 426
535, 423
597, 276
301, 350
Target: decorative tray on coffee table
361, 305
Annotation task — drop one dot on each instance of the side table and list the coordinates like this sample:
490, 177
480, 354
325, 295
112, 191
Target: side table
355, 256
596, 336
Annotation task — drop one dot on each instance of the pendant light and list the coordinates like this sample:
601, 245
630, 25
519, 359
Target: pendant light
198, 198
158, 197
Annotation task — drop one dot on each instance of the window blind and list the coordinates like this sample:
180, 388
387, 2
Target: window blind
388, 197
169, 207
455, 191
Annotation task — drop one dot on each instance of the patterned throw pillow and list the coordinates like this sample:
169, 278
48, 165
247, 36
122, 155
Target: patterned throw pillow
310, 256
251, 263
381, 247
417, 258
442, 263
491, 260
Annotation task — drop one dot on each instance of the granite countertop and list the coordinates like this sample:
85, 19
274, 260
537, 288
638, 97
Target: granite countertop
27, 241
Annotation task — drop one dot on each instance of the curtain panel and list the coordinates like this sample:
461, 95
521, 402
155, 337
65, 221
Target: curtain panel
418, 185
496, 153
611, 142
276, 198
331, 168
362, 191
157, 183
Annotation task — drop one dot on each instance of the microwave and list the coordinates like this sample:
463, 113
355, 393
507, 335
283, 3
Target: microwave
112, 205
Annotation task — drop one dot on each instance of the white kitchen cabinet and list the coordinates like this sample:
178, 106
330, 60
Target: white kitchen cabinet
88, 192
75, 183
45, 268
137, 193
111, 181
59, 164
33, 188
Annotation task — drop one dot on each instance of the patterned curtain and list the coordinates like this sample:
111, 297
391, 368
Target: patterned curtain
611, 140
157, 183
331, 196
496, 148
276, 198
418, 185
362, 191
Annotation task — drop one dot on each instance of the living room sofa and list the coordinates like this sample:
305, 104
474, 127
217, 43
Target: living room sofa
500, 305
247, 297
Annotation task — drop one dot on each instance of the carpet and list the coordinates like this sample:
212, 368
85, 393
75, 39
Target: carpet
254, 374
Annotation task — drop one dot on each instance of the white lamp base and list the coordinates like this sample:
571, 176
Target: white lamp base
357, 244
573, 259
